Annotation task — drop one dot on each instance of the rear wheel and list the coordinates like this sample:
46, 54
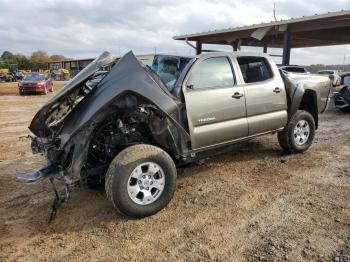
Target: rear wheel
141, 180
299, 133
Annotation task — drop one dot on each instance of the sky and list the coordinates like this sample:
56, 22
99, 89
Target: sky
86, 28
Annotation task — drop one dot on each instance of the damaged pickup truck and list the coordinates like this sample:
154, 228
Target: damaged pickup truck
130, 128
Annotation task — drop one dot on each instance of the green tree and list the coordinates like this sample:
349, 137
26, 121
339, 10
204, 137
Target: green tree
2, 63
22, 61
39, 60
7, 58
7, 55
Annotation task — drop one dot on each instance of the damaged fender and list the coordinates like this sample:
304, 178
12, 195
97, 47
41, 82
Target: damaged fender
126, 77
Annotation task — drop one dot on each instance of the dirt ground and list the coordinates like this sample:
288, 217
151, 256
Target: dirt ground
254, 204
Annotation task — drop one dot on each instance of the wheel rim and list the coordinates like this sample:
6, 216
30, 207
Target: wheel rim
301, 132
146, 183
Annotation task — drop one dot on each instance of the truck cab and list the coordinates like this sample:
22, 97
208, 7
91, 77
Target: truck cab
233, 96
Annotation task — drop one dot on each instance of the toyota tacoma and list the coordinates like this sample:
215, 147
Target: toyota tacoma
130, 127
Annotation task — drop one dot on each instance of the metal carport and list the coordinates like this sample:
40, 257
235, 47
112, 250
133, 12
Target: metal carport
309, 31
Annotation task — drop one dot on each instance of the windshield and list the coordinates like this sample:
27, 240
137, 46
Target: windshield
169, 68
34, 77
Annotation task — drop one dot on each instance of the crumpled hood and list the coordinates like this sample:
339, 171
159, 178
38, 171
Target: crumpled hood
38, 124
127, 76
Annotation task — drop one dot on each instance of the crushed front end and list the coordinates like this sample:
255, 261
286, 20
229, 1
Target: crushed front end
96, 115
49, 121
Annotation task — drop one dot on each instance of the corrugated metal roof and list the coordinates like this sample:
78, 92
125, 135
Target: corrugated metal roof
272, 23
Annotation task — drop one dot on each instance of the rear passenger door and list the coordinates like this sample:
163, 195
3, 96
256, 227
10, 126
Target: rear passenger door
215, 105
266, 99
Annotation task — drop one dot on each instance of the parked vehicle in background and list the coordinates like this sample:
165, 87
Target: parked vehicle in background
342, 98
35, 83
7, 77
334, 74
130, 130
59, 74
18, 76
295, 69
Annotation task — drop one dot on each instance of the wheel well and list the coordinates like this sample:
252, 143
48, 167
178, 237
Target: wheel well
133, 121
309, 104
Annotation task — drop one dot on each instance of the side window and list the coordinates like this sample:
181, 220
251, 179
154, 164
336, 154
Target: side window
346, 81
255, 69
213, 72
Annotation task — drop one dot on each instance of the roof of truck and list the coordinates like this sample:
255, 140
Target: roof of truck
164, 54
247, 54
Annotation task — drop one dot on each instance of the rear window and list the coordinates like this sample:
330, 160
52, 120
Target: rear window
255, 69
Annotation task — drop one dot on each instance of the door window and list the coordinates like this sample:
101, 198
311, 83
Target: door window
255, 69
212, 72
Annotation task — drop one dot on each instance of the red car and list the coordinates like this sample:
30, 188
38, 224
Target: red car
35, 83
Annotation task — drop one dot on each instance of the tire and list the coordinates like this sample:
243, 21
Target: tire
296, 143
120, 180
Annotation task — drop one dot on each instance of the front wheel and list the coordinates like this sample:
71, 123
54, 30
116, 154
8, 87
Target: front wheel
299, 133
141, 180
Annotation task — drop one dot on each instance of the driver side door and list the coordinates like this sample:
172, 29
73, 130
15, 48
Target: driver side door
215, 104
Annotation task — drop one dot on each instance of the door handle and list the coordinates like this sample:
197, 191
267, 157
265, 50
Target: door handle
237, 95
277, 90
